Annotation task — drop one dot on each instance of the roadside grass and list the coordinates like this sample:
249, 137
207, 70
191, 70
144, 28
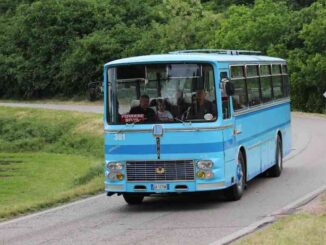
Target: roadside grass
299, 228
47, 158
63, 101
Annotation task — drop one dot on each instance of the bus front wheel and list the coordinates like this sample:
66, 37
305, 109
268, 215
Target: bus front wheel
133, 199
235, 192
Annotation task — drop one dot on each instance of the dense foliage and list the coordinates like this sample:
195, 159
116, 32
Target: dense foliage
55, 48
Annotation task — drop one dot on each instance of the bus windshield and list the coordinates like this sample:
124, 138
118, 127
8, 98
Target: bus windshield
161, 93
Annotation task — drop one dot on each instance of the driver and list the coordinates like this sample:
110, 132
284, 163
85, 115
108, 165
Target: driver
143, 108
200, 106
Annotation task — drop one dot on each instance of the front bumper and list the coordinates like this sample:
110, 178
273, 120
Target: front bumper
172, 187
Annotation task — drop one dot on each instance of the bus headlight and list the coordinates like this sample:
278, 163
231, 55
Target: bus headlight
116, 176
114, 166
205, 164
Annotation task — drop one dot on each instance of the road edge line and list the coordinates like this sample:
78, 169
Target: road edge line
51, 209
270, 218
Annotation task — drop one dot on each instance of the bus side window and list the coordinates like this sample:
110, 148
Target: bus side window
277, 81
240, 97
285, 84
226, 110
265, 83
253, 85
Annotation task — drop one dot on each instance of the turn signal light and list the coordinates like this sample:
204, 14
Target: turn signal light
120, 176
201, 174
205, 174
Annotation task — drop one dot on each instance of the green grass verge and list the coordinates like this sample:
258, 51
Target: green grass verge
48, 157
64, 101
301, 228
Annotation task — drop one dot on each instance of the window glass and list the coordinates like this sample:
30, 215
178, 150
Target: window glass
265, 70
225, 100
276, 69
284, 69
165, 93
266, 88
252, 70
286, 87
277, 87
253, 91
237, 71
240, 94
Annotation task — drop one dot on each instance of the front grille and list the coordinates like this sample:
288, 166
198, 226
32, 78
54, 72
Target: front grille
148, 170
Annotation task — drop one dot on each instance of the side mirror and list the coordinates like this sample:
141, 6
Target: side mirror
227, 87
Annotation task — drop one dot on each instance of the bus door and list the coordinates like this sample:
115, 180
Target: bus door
229, 140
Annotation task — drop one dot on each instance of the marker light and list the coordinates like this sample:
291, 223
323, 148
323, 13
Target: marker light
205, 164
120, 176
205, 174
201, 174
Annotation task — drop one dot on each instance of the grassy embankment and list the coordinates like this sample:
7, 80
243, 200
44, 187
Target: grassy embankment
48, 157
305, 227
64, 101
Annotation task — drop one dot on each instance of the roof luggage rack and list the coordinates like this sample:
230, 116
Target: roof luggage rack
217, 51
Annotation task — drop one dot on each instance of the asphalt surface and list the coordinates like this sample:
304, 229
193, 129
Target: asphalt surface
180, 219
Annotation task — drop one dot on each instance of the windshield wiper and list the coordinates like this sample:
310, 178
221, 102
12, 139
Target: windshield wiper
183, 122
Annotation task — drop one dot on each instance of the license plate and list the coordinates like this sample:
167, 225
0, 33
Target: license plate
160, 187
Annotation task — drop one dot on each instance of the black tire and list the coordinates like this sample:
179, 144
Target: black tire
235, 192
276, 170
133, 199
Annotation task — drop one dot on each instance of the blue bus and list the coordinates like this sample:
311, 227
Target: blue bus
194, 121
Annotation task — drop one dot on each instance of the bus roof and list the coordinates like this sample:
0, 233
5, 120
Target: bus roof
194, 57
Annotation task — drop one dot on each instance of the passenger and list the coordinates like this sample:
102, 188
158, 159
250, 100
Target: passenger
143, 108
162, 114
181, 103
200, 106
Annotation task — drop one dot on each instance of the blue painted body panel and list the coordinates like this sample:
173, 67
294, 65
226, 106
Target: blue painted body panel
259, 130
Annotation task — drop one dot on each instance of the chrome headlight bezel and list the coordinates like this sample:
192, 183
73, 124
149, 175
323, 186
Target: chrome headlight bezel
205, 164
114, 166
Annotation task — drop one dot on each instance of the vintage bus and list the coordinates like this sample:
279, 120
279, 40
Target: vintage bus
194, 121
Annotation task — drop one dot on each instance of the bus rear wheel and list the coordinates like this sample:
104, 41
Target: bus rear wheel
235, 192
276, 170
133, 199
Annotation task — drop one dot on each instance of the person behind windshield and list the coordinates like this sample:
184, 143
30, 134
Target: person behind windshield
143, 108
200, 106
181, 104
162, 114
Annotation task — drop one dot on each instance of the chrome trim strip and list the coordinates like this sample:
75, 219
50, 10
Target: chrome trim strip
157, 181
116, 131
261, 106
210, 185
255, 145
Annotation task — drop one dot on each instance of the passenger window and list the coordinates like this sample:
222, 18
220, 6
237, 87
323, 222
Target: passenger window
265, 82
225, 100
240, 100
285, 78
237, 71
240, 95
277, 81
253, 86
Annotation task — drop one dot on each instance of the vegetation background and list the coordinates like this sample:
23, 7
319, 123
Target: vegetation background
55, 48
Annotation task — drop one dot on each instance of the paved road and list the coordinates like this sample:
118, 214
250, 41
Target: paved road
180, 220
80, 108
